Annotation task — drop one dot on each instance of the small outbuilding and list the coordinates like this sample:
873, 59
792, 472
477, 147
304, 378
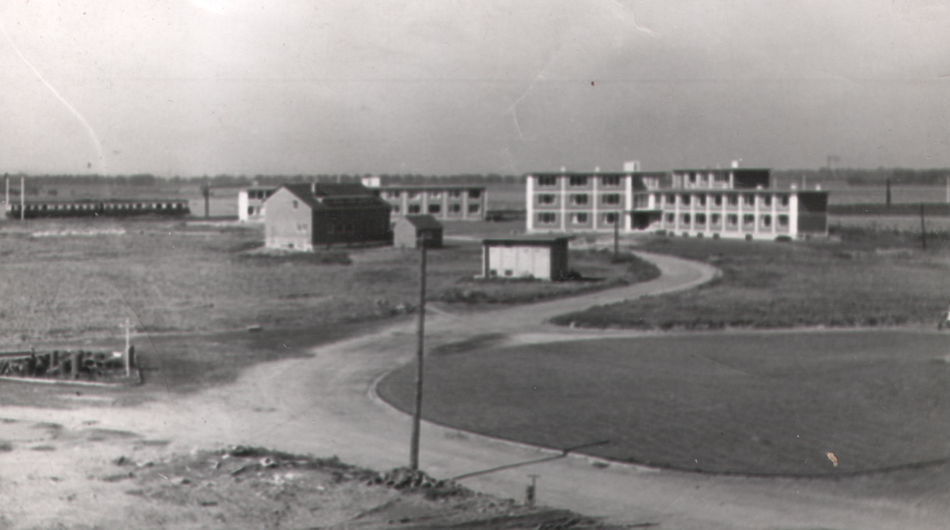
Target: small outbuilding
411, 228
542, 258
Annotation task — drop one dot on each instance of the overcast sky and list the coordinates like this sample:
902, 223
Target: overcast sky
191, 87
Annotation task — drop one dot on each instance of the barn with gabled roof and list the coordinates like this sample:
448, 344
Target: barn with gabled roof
303, 216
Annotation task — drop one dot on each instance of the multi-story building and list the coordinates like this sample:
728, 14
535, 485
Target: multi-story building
444, 202
586, 202
251, 203
731, 203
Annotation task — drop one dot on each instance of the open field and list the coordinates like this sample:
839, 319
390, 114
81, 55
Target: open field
733, 403
190, 291
869, 279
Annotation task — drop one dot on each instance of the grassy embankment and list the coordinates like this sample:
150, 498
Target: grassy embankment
869, 278
190, 291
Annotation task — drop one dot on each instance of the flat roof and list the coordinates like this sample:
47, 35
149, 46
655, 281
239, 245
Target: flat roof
526, 240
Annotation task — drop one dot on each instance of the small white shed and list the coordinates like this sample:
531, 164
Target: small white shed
542, 258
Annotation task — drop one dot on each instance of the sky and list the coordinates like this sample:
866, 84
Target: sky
195, 87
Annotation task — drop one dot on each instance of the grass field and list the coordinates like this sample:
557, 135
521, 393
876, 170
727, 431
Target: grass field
732, 403
190, 291
870, 279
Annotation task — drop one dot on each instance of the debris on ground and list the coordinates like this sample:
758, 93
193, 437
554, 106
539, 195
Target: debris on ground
252, 487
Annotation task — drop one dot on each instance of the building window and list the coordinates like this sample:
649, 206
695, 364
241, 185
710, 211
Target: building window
748, 220
301, 227
766, 221
686, 219
435, 194
546, 198
395, 208
733, 200
700, 219
784, 201
732, 220
670, 199
715, 219
579, 199
684, 199
474, 194
670, 218
411, 195
435, 208
547, 181
748, 200
415, 208
295, 204
766, 200
783, 221
640, 201
610, 218
701, 200
579, 218
611, 181
717, 200
455, 208
610, 198
455, 194
474, 208
578, 180
393, 194
547, 218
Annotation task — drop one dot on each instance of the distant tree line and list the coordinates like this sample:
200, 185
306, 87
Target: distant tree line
853, 176
228, 181
867, 177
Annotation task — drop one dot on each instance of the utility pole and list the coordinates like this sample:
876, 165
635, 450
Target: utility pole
417, 413
888, 195
923, 228
206, 193
22, 198
616, 236
128, 344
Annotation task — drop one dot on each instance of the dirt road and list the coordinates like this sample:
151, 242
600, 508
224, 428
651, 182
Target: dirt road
325, 405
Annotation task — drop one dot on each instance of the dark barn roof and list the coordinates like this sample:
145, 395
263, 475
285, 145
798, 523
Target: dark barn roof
336, 195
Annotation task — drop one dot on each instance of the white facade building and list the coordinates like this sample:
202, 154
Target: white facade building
730, 203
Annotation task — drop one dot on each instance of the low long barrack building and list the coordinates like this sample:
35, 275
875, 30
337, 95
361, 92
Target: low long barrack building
728, 203
34, 209
445, 202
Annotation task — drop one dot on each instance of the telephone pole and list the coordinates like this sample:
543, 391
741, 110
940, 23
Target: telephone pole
417, 413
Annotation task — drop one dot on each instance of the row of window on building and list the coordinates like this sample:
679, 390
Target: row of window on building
579, 181
698, 221
579, 199
436, 208
431, 194
672, 199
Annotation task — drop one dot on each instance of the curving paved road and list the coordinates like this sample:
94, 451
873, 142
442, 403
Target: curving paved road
325, 405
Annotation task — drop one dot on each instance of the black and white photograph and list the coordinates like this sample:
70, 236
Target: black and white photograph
599, 265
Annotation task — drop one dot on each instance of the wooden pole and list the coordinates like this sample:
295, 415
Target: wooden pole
923, 228
22, 198
417, 413
616, 236
888, 195
128, 344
